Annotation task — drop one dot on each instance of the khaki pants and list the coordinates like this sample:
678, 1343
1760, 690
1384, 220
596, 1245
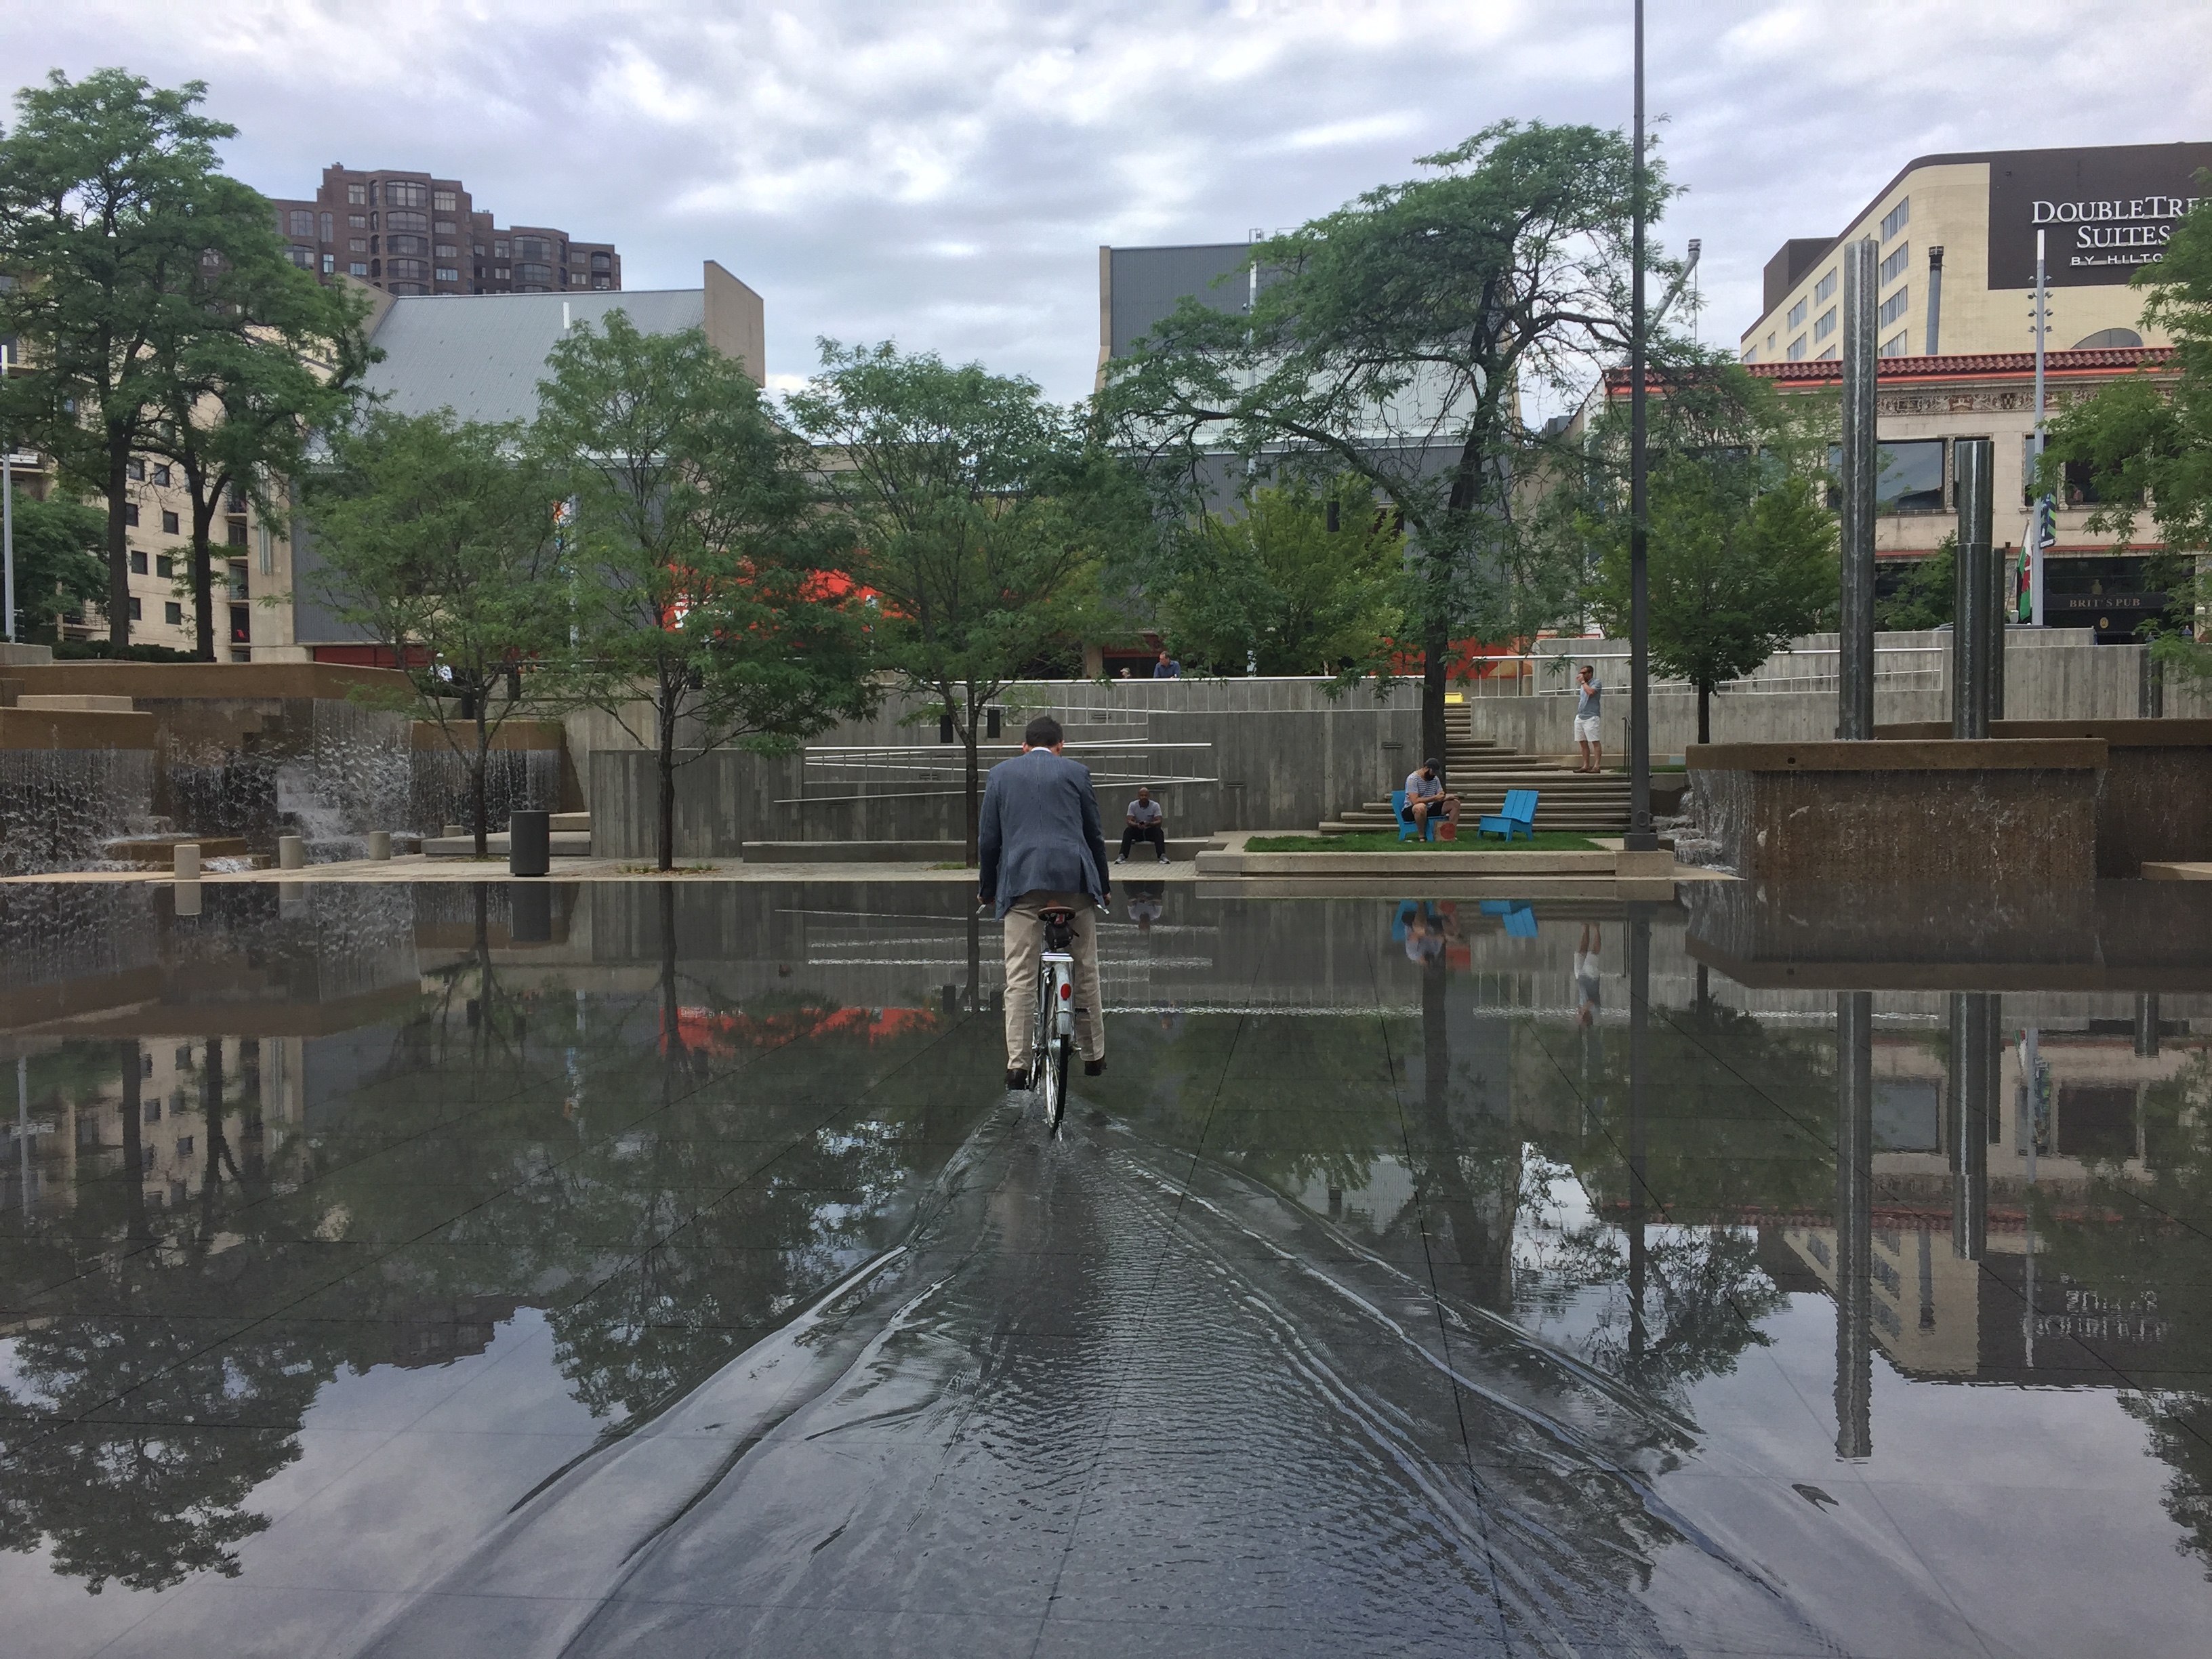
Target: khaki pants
1024, 947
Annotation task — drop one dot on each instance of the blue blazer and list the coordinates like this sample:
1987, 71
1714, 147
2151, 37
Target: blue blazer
1040, 831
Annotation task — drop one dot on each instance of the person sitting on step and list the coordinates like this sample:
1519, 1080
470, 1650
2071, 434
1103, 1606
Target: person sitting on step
1145, 822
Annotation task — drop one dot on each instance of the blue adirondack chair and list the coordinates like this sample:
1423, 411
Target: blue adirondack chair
1406, 830
1520, 919
1517, 816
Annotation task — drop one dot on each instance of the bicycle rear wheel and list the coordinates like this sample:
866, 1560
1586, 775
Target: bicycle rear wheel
1055, 1079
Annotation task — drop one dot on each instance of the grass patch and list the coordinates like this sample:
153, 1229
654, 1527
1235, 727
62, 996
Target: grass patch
951, 864
1385, 841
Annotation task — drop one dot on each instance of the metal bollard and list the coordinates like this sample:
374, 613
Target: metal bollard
379, 846
188, 860
291, 853
529, 843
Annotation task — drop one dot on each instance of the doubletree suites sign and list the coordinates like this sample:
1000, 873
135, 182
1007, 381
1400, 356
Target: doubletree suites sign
2104, 213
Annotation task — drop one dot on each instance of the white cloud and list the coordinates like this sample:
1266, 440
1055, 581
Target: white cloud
943, 173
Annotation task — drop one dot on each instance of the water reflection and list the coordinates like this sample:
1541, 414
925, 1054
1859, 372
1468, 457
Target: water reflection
1581, 1268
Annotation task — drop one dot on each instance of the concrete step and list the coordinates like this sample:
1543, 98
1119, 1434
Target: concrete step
560, 845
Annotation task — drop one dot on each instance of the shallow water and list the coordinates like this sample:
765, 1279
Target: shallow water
632, 1270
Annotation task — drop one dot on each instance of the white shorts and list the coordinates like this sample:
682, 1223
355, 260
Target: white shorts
1586, 728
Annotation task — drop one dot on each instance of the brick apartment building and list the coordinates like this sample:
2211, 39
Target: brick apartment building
410, 234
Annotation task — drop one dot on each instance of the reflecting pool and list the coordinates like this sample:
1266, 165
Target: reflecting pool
662, 1269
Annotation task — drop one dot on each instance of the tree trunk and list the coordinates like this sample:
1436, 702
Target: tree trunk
1704, 711
667, 716
134, 1153
975, 785
118, 555
1436, 648
479, 807
205, 499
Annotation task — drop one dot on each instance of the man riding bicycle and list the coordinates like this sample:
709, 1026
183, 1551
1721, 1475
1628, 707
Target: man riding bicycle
1041, 847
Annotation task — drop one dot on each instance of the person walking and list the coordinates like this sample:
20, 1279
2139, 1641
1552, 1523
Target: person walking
1040, 846
1587, 696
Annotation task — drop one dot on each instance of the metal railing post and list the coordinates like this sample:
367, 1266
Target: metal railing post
1855, 669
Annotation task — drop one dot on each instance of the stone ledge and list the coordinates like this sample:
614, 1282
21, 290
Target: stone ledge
74, 729
1946, 755
2159, 733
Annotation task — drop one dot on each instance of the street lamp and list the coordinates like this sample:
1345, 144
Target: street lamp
1640, 838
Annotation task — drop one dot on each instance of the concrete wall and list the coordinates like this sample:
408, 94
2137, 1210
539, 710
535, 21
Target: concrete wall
1238, 754
2054, 674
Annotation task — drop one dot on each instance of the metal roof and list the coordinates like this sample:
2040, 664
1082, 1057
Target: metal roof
482, 355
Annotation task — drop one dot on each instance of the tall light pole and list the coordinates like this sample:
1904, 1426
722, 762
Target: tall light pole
1640, 838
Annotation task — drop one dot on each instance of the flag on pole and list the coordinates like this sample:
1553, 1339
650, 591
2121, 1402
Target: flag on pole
2042, 533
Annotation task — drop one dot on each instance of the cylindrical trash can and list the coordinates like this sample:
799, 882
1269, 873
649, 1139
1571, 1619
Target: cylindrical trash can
529, 843
188, 860
291, 853
379, 846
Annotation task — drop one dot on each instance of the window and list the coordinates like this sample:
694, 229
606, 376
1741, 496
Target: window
356, 222
1826, 325
1797, 317
130, 512
1895, 346
444, 201
233, 501
1894, 308
410, 288
1909, 476
500, 273
1824, 288
330, 227
169, 523
1897, 218
357, 195
2107, 339
236, 576
603, 282
533, 274
412, 245
1797, 349
417, 222
576, 279
302, 222
410, 270
138, 562
359, 244
164, 566
499, 250
376, 266
162, 474
444, 228
237, 537
183, 1146
303, 257
532, 247
136, 469
602, 262
358, 269
448, 251
1894, 266
134, 611
405, 193
448, 274
1752, 355
1826, 355
174, 614
330, 264
241, 625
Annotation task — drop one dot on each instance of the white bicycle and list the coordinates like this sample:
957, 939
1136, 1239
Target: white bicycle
1051, 1040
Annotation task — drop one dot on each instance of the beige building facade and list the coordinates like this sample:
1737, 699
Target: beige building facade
1964, 227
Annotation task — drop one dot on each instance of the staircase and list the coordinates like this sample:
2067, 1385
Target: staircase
1480, 771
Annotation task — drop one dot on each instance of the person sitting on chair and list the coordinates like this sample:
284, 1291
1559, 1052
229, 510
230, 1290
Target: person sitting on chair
1145, 822
1424, 794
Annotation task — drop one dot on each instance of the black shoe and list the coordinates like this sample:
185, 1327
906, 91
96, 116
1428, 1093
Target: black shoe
1017, 1077
1095, 1067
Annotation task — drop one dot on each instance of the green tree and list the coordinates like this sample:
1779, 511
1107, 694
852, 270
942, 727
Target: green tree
1741, 547
57, 565
1925, 595
108, 204
1303, 583
700, 570
2148, 446
437, 536
1396, 339
255, 359
979, 517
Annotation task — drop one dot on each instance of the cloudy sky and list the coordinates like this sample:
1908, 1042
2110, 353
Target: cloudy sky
943, 172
